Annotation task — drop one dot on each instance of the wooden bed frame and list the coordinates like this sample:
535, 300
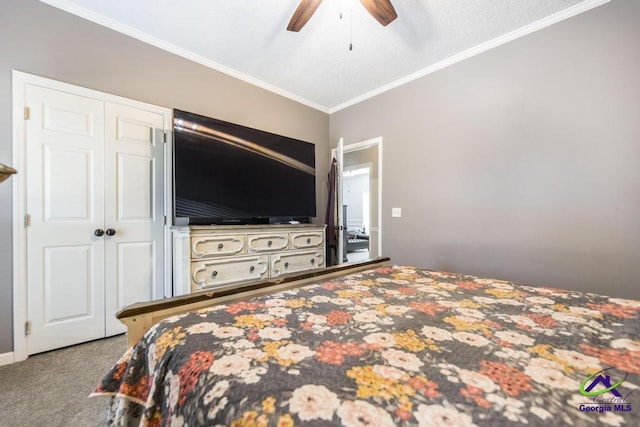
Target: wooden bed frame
139, 317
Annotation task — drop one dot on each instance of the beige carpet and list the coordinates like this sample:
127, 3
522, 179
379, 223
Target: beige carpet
52, 389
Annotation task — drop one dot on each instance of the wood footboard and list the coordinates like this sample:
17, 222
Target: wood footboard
139, 317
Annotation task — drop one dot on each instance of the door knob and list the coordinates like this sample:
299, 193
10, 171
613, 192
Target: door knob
110, 231
99, 232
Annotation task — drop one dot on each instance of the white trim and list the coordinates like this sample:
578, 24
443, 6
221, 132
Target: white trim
340, 220
19, 209
363, 144
6, 359
83, 91
483, 47
70, 7
19, 81
114, 25
168, 209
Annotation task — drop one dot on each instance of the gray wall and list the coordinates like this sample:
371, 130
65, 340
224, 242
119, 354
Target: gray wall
42, 40
521, 163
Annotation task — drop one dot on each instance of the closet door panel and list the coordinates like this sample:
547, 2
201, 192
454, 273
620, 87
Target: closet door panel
64, 140
134, 159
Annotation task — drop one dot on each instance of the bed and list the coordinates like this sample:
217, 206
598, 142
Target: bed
382, 346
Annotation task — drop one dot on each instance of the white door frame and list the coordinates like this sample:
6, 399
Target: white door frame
19, 81
374, 142
340, 156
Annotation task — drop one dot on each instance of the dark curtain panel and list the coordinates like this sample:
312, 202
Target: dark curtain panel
332, 215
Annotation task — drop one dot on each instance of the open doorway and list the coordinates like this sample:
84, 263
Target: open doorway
354, 216
356, 211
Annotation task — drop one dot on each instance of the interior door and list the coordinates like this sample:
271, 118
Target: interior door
134, 216
339, 198
65, 204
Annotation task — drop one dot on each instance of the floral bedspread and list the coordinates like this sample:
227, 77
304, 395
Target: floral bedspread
390, 346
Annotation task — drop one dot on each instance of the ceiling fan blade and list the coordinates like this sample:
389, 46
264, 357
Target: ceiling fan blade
382, 10
305, 9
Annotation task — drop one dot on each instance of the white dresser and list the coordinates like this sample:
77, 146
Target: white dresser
206, 257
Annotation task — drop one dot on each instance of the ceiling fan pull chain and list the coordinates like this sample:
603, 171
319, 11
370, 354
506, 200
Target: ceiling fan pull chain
350, 29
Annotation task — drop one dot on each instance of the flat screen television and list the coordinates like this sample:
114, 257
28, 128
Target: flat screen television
226, 173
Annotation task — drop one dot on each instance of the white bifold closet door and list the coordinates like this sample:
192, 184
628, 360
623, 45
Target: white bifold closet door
95, 194
134, 175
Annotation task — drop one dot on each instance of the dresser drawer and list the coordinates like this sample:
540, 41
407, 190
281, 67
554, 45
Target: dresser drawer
267, 242
218, 245
294, 262
218, 272
307, 239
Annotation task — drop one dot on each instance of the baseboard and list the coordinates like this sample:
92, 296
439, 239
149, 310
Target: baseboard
6, 358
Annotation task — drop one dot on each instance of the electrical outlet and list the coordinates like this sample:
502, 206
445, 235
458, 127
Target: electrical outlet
396, 212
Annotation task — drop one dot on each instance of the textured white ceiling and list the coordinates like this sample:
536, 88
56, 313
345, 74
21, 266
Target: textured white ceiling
248, 38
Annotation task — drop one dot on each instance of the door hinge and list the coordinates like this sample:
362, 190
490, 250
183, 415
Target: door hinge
27, 328
27, 220
164, 219
164, 137
27, 113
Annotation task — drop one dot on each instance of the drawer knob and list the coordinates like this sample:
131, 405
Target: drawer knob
286, 265
220, 246
269, 243
308, 240
251, 269
214, 274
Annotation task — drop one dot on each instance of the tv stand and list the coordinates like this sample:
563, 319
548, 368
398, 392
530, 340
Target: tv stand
210, 256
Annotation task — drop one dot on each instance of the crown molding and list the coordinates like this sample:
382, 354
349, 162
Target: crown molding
74, 9
70, 7
478, 49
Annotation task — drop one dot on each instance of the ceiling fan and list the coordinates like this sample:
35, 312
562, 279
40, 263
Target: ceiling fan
382, 10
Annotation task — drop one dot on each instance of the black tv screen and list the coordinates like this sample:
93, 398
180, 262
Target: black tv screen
228, 173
